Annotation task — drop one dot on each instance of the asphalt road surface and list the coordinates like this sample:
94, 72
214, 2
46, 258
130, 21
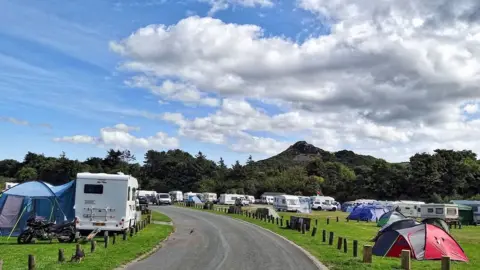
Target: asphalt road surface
221, 243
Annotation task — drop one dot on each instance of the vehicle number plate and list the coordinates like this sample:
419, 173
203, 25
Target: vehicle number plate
99, 224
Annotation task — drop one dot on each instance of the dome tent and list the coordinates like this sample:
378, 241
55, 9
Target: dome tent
367, 212
35, 198
389, 218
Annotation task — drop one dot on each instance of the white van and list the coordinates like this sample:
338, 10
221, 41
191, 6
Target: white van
177, 196
209, 197
164, 198
229, 199
409, 209
286, 203
250, 198
439, 210
105, 201
323, 203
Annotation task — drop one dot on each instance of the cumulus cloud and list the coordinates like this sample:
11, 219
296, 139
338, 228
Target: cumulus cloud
120, 137
217, 5
390, 79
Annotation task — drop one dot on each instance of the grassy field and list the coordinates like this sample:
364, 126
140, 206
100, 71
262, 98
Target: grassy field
157, 216
468, 238
16, 256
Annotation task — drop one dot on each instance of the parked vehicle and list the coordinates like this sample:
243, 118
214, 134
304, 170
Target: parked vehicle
153, 199
209, 197
177, 196
189, 194
408, 208
164, 198
105, 201
286, 203
324, 203
241, 201
250, 198
446, 212
229, 199
39, 229
268, 197
475, 208
142, 203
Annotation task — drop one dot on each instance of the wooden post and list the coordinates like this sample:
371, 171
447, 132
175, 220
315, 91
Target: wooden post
287, 223
445, 263
124, 236
31, 262
355, 248
367, 254
328, 220
345, 249
314, 231
93, 246
406, 263
276, 220
348, 219
337, 218
304, 227
316, 222
131, 231
61, 256
1, 265
324, 236
330, 239
339, 243
105, 238
114, 238
78, 248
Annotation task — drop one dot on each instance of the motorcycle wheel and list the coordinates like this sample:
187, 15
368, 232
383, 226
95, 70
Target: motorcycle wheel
67, 234
24, 238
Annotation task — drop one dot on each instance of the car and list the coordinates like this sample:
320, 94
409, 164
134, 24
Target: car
164, 198
242, 201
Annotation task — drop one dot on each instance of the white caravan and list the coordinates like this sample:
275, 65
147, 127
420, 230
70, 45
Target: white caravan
188, 194
286, 203
209, 197
105, 201
177, 196
323, 203
268, 197
409, 209
250, 198
146, 193
439, 210
229, 199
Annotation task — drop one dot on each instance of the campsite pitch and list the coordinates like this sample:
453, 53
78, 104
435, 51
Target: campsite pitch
468, 237
16, 256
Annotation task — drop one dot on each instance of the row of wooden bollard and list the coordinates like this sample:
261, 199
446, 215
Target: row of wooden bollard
93, 244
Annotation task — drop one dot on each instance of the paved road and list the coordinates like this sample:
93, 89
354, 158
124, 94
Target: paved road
221, 243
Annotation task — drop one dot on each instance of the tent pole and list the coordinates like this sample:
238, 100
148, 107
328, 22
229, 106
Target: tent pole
18, 220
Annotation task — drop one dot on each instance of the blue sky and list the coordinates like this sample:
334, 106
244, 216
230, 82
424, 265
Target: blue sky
58, 73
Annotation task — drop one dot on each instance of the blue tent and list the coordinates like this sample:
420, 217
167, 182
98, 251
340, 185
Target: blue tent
367, 212
35, 198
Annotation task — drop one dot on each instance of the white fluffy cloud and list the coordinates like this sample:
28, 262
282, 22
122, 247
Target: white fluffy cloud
217, 5
119, 137
390, 79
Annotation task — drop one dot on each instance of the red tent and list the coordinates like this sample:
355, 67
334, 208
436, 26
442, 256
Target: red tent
425, 242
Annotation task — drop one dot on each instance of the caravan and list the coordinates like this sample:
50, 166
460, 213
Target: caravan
177, 196
446, 212
209, 197
323, 203
286, 203
229, 199
267, 197
409, 209
105, 201
187, 195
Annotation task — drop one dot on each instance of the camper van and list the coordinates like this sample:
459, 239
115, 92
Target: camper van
209, 197
229, 198
105, 201
443, 211
323, 203
267, 197
250, 198
177, 196
164, 198
409, 209
288, 203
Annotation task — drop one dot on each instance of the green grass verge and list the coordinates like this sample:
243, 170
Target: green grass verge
16, 256
468, 237
157, 216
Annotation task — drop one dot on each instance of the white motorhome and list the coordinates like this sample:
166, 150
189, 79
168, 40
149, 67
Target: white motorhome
323, 203
229, 199
439, 210
250, 198
105, 201
408, 208
209, 197
146, 193
286, 203
177, 196
268, 197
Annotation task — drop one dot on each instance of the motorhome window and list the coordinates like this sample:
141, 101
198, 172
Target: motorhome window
164, 196
134, 194
284, 201
292, 202
93, 189
439, 211
408, 208
418, 210
128, 194
451, 211
430, 210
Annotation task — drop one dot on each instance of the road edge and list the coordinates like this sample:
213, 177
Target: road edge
148, 253
314, 259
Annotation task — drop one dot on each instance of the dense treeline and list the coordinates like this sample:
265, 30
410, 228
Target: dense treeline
301, 169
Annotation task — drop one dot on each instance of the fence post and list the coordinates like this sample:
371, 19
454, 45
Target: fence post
345, 249
367, 254
281, 222
355, 248
1, 265
445, 263
93, 246
324, 236
314, 231
304, 226
61, 256
330, 239
105, 238
287, 223
124, 236
328, 220
114, 238
316, 222
31, 262
406, 263
337, 218
339, 243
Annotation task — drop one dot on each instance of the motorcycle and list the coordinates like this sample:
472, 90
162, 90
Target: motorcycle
39, 229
